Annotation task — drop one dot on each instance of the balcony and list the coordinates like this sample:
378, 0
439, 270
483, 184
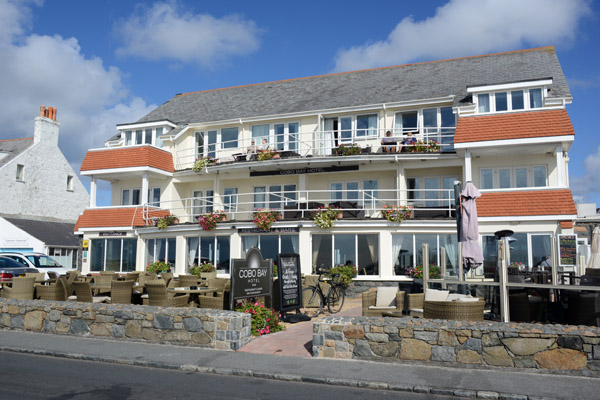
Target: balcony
300, 205
321, 144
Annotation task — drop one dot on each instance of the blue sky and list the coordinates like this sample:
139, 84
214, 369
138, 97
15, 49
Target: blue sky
111, 61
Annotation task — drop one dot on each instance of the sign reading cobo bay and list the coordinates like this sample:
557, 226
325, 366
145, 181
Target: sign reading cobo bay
251, 277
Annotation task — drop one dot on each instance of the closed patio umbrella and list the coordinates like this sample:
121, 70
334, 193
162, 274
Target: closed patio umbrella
469, 232
594, 261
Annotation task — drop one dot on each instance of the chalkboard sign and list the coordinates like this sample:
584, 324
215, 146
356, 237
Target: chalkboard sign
290, 282
251, 277
567, 250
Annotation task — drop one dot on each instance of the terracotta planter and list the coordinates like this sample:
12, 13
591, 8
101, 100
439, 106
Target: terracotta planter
340, 215
223, 218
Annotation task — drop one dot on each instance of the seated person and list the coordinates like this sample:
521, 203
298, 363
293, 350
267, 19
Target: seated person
389, 143
264, 146
409, 140
251, 151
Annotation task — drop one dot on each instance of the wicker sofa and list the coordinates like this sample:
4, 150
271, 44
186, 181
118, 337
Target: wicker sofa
453, 309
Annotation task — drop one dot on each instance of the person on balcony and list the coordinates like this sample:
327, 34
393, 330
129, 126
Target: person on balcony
388, 143
251, 151
409, 140
265, 145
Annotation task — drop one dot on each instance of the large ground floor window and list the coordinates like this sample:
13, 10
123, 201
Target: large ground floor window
161, 250
271, 245
407, 251
360, 250
113, 255
212, 249
526, 251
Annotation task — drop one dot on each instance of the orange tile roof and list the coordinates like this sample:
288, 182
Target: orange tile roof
116, 217
526, 203
127, 157
523, 125
566, 224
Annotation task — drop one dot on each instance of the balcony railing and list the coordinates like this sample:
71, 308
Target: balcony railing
356, 204
322, 144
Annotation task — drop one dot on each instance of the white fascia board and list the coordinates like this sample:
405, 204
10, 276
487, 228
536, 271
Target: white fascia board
523, 189
145, 125
528, 218
105, 229
184, 130
125, 170
515, 142
328, 111
128, 147
506, 86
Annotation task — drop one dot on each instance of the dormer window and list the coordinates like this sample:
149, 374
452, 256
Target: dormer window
143, 136
510, 97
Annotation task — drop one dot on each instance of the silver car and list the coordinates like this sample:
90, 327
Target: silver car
10, 269
40, 261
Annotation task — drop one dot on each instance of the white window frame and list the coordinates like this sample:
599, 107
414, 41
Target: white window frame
204, 207
421, 189
353, 129
356, 250
513, 175
131, 196
428, 133
282, 193
134, 142
345, 190
508, 91
153, 256
231, 207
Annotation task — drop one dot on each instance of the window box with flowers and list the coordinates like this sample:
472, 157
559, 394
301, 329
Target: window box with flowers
423, 146
396, 213
346, 273
264, 218
267, 155
264, 320
325, 217
166, 221
347, 150
205, 267
202, 163
208, 222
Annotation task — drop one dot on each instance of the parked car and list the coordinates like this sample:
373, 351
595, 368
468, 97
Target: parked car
40, 261
10, 268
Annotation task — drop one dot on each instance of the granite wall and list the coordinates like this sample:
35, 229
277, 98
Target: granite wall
226, 330
572, 349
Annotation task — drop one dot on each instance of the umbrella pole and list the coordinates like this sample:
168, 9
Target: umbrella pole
504, 311
425, 267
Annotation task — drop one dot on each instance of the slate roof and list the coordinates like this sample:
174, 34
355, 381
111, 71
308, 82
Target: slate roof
13, 147
526, 203
139, 156
50, 232
513, 126
115, 217
373, 86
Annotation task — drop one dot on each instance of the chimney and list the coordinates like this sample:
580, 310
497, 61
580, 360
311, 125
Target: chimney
46, 126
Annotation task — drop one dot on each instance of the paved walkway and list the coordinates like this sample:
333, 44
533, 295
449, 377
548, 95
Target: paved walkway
296, 340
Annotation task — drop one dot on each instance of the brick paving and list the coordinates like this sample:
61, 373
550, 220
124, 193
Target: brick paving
296, 340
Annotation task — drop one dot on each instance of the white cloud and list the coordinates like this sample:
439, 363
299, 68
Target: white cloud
90, 97
165, 31
467, 27
586, 186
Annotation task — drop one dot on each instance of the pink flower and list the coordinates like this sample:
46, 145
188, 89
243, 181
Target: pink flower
262, 331
261, 306
256, 303
267, 330
268, 319
246, 311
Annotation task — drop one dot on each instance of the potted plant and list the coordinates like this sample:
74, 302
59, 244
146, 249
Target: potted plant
347, 150
158, 267
264, 218
202, 163
203, 268
347, 272
417, 272
166, 221
208, 222
396, 213
425, 146
267, 155
325, 217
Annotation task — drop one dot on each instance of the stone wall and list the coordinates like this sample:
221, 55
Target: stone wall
226, 330
575, 349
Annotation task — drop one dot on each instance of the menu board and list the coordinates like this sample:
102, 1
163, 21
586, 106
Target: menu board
290, 282
567, 250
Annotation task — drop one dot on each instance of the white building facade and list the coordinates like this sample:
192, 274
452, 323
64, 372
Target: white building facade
497, 120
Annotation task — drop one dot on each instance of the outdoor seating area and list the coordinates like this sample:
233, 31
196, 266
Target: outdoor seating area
131, 288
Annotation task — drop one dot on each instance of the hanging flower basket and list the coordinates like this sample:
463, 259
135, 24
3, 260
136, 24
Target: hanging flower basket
396, 213
264, 218
325, 217
208, 222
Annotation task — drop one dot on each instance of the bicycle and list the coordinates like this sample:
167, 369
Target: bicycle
313, 297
